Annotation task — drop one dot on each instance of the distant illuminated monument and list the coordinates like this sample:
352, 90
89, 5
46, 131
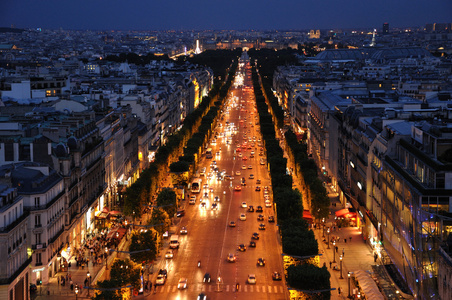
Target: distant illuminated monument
373, 43
197, 50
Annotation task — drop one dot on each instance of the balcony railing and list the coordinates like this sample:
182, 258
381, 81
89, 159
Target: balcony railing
17, 273
15, 223
38, 246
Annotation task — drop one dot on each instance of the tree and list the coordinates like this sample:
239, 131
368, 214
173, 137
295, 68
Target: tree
168, 201
309, 277
124, 272
160, 216
143, 240
107, 291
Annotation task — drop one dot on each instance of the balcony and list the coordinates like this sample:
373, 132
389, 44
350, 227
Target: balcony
38, 246
17, 273
15, 223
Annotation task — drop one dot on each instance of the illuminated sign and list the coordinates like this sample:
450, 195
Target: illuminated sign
38, 270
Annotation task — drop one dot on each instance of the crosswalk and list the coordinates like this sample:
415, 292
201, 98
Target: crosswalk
245, 288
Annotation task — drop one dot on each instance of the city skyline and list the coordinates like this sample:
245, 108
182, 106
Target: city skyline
235, 15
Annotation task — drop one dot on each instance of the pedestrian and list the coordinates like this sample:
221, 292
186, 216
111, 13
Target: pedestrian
375, 257
331, 264
343, 252
58, 280
337, 248
345, 240
339, 290
350, 239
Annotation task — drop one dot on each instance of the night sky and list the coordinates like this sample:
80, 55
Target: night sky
221, 14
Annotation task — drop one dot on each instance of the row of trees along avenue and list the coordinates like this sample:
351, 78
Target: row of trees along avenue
301, 261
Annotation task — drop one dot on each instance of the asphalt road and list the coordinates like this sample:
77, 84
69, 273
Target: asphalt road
209, 237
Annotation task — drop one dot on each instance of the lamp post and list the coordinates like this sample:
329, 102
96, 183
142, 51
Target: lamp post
88, 276
76, 292
334, 251
323, 226
106, 258
341, 267
348, 274
328, 242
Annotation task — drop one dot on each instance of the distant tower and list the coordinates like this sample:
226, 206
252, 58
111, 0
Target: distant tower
385, 28
373, 43
197, 50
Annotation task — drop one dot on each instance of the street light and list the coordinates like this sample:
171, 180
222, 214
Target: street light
106, 258
76, 292
348, 274
341, 267
328, 242
88, 275
334, 251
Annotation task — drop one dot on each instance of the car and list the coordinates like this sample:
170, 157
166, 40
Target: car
240, 155
259, 209
244, 158
261, 226
252, 152
251, 208
202, 296
238, 188
231, 258
238, 173
232, 224
260, 217
182, 284
203, 205
255, 236
271, 219
163, 272
261, 262
242, 247
276, 276
251, 176
243, 167
214, 206
216, 199
243, 182
252, 156
206, 278
252, 244
261, 154
258, 181
160, 279
183, 230
268, 203
33, 288
244, 205
169, 254
251, 279
192, 199
258, 189
250, 167
242, 217
180, 213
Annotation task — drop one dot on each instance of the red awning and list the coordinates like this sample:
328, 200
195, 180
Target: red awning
307, 215
342, 212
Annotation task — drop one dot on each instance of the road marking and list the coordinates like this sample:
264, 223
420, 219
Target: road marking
245, 288
276, 288
210, 288
227, 288
169, 288
257, 288
251, 289
281, 289
269, 288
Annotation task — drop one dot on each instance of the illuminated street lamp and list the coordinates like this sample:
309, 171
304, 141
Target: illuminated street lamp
334, 251
341, 267
106, 258
76, 292
348, 274
328, 242
88, 275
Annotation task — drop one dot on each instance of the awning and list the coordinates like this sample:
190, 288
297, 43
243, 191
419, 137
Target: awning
102, 215
368, 285
342, 212
307, 215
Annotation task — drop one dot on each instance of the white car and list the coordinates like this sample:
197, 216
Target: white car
250, 167
268, 203
244, 205
238, 173
169, 254
182, 284
192, 199
243, 167
183, 230
242, 217
251, 279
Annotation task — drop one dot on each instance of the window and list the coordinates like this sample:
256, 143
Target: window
38, 258
37, 220
38, 238
37, 201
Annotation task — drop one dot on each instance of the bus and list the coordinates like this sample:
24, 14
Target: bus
209, 153
196, 186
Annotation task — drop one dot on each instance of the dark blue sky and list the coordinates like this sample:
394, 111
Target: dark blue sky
221, 14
